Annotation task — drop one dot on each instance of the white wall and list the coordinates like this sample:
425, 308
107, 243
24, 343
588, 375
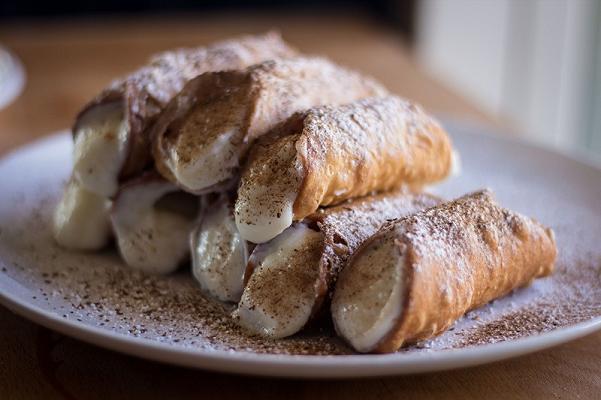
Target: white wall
530, 61
463, 42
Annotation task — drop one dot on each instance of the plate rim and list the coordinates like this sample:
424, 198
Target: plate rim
282, 365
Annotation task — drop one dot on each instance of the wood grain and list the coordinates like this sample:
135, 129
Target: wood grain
67, 62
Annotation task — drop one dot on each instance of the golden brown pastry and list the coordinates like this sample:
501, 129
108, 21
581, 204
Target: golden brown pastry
208, 128
416, 276
330, 154
289, 278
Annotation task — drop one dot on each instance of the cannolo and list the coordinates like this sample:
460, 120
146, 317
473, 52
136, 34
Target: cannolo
205, 131
416, 276
152, 220
289, 277
112, 132
330, 154
219, 254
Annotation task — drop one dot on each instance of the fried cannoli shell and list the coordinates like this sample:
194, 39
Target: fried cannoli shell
346, 226
454, 257
330, 154
264, 94
374, 144
145, 92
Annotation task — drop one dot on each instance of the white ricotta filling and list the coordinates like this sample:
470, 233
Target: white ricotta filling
369, 295
212, 163
150, 239
101, 149
280, 294
259, 225
219, 255
81, 219
264, 209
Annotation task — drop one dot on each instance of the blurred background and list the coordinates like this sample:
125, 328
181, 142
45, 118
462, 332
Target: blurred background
532, 67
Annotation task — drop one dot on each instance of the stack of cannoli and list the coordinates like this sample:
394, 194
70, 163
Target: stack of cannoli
294, 188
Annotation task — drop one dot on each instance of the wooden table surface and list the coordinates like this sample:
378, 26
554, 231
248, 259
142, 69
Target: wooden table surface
69, 61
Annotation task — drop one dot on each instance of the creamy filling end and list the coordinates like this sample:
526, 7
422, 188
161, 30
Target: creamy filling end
101, 147
265, 204
280, 294
219, 254
152, 224
369, 294
81, 219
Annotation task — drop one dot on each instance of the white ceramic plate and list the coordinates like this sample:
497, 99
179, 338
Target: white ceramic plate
12, 77
70, 293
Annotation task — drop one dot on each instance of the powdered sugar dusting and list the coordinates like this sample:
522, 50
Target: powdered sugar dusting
99, 290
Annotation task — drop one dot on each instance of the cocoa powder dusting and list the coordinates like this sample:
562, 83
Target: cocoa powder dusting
578, 300
97, 289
